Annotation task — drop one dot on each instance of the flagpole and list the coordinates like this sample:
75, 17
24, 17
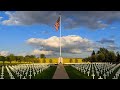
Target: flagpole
60, 37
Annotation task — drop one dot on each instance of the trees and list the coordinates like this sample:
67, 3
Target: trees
3, 59
76, 60
93, 53
112, 57
44, 61
36, 60
117, 57
11, 58
50, 60
32, 58
27, 58
19, 58
71, 60
100, 57
103, 55
93, 58
42, 55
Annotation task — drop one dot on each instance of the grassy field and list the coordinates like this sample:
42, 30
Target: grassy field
47, 74
47, 60
65, 60
75, 74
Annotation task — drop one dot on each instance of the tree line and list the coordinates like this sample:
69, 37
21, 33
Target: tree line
27, 58
103, 55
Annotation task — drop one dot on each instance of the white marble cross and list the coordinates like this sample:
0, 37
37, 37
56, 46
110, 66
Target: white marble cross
100, 77
12, 77
18, 73
117, 75
108, 73
40, 70
92, 70
88, 73
37, 71
26, 73
97, 73
104, 75
2, 70
30, 75
93, 75
2, 76
101, 71
84, 71
23, 71
24, 77
114, 77
20, 76
30, 71
34, 73
10, 74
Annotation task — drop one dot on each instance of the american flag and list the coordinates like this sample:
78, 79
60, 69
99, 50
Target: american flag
57, 24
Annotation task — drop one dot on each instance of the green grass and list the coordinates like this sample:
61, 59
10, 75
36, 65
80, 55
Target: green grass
75, 74
6, 74
47, 74
114, 72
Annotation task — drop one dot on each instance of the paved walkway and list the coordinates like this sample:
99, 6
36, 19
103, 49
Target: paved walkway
60, 72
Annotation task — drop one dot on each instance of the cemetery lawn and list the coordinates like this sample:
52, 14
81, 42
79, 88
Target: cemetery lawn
75, 74
47, 74
113, 74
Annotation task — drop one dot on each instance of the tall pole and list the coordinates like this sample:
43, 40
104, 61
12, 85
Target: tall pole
60, 37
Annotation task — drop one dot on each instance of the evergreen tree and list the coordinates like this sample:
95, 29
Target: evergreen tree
93, 53
118, 57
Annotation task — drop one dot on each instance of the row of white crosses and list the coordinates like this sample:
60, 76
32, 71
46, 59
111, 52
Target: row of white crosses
116, 76
100, 70
2, 73
22, 71
9, 72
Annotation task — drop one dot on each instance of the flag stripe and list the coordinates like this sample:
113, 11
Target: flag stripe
57, 24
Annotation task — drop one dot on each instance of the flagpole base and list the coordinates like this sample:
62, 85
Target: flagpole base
60, 60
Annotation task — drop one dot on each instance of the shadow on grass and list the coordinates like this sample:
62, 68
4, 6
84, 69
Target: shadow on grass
75, 74
47, 74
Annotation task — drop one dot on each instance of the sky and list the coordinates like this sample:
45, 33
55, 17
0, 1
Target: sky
33, 32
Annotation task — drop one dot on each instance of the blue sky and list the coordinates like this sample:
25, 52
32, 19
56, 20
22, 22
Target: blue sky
89, 30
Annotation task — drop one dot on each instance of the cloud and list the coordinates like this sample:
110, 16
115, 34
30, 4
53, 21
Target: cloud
1, 18
30, 17
4, 53
89, 49
38, 52
103, 41
71, 44
75, 51
70, 19
113, 47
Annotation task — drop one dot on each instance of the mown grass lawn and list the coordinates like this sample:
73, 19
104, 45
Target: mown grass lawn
75, 74
47, 74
